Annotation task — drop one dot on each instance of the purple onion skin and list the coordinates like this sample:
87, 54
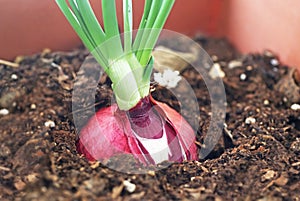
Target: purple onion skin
111, 132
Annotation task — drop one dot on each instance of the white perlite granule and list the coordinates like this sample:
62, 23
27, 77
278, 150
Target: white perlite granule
168, 78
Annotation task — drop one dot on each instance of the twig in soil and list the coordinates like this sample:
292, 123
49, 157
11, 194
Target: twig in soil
227, 137
228, 132
61, 75
4, 169
8, 63
55, 65
268, 185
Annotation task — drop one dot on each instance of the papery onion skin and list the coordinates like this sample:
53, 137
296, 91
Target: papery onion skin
111, 132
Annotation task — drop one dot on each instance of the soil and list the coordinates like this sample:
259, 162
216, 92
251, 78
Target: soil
258, 157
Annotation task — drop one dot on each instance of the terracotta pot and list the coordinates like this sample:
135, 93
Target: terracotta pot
269, 24
29, 26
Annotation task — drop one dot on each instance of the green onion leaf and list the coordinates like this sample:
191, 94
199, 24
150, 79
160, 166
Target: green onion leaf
114, 45
160, 20
127, 18
74, 22
155, 7
142, 25
91, 21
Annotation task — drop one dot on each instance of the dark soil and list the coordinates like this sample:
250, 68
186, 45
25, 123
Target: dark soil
259, 160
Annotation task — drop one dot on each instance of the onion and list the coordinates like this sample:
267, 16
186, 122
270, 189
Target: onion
151, 131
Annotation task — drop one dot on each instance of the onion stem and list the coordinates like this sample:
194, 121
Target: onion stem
127, 67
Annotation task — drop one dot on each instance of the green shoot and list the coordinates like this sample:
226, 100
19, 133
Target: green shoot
117, 59
128, 26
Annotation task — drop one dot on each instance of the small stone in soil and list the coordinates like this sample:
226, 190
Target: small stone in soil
130, 187
214, 58
268, 53
151, 173
249, 68
33, 106
216, 71
31, 178
4, 112
234, 63
250, 120
268, 175
243, 77
274, 62
295, 106
14, 77
50, 124
266, 102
